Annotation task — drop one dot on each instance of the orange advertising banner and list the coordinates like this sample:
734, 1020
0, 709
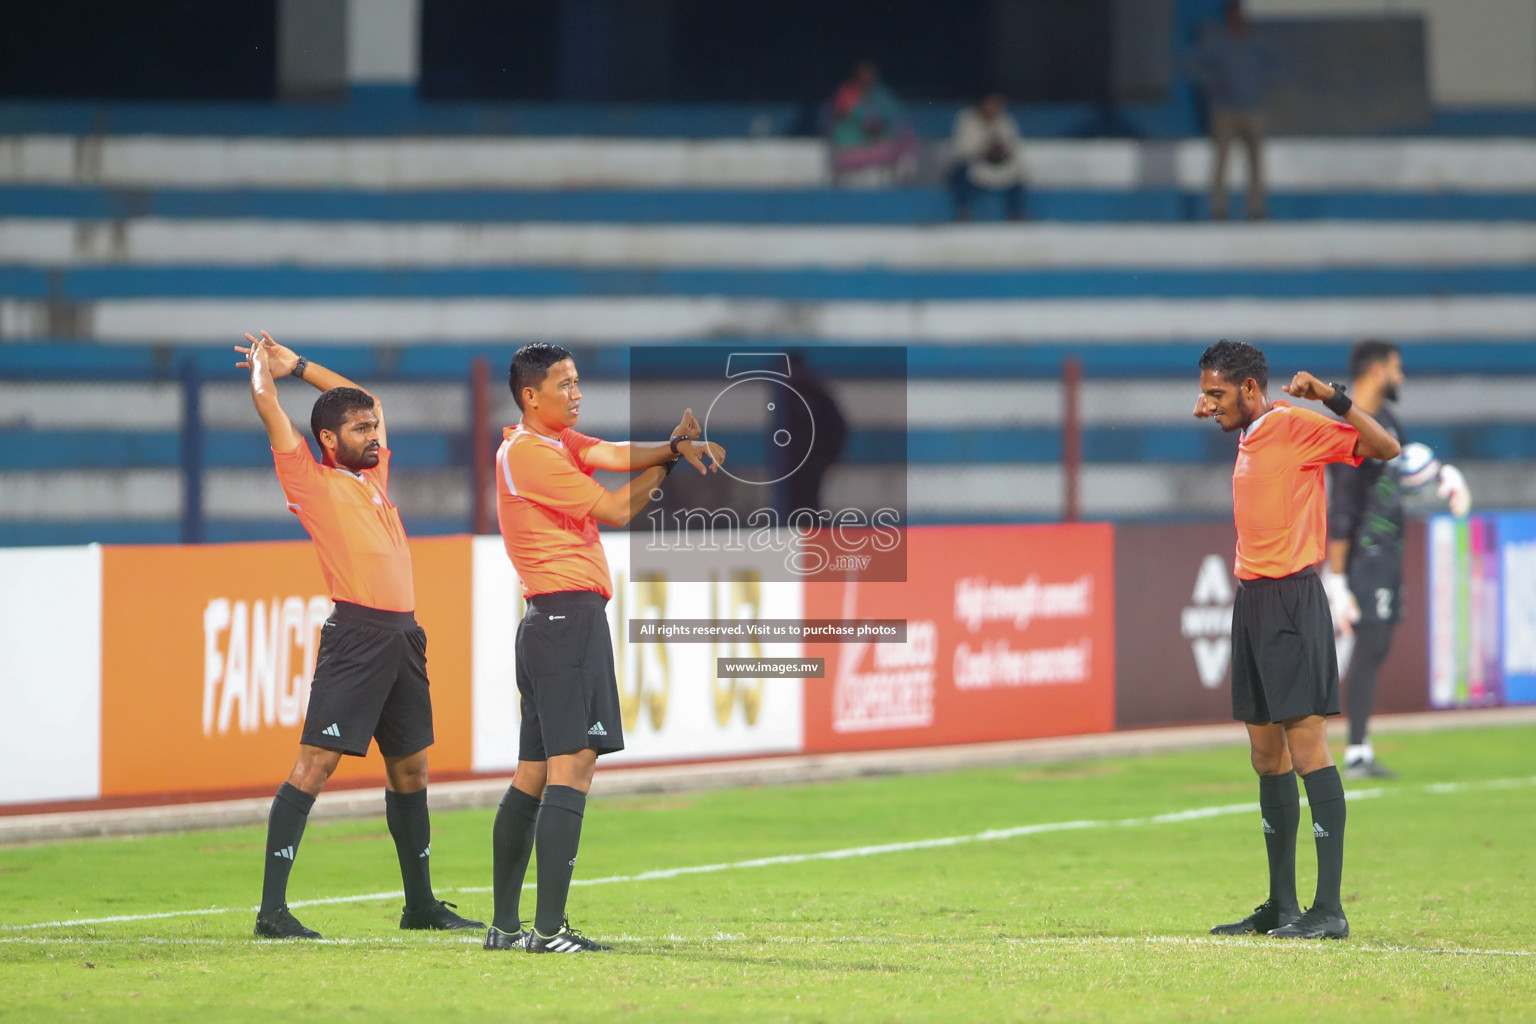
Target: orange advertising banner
1010, 635
208, 653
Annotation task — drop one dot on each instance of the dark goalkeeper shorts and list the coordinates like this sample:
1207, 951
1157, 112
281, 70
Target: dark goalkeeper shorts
1376, 580
1283, 661
370, 683
565, 676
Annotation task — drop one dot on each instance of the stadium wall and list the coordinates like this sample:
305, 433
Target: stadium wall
160, 673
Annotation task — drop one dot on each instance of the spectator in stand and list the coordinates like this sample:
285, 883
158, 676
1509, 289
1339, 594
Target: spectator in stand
986, 150
817, 417
1236, 70
867, 126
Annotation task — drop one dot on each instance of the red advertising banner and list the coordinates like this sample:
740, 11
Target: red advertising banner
1010, 635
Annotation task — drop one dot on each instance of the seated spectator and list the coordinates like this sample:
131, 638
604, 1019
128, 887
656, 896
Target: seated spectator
867, 127
986, 151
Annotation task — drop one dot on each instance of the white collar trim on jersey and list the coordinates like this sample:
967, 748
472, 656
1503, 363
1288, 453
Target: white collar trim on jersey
534, 433
1248, 431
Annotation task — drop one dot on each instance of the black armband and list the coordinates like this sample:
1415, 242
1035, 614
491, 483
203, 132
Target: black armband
1340, 403
670, 464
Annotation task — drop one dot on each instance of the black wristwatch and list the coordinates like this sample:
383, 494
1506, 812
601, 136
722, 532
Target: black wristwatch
300, 366
676, 440
1338, 403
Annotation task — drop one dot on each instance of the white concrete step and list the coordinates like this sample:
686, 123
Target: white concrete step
152, 241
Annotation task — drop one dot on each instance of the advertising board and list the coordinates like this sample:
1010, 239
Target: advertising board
207, 654
1010, 635
674, 706
1482, 627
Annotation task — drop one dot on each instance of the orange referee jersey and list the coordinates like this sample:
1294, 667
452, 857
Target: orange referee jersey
364, 555
544, 499
1279, 501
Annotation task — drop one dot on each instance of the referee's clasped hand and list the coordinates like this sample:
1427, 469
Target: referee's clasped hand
280, 359
1205, 406
689, 426
694, 452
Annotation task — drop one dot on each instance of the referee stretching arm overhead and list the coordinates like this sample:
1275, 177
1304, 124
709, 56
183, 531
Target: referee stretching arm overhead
371, 670
1285, 677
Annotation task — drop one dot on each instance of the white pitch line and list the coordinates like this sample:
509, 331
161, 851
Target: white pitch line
988, 836
152, 940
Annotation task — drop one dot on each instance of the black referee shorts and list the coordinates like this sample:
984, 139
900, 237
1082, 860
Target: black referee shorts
570, 695
370, 683
1283, 661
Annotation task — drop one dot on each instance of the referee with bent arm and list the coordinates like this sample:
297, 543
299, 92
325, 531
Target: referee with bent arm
371, 670
548, 507
1285, 676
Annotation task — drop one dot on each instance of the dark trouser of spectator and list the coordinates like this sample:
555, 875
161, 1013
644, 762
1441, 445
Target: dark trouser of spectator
1248, 127
964, 190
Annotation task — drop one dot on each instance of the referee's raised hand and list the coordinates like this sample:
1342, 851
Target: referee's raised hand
1304, 385
280, 359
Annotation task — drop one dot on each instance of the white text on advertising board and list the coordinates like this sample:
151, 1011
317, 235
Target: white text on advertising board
1207, 621
897, 692
258, 661
996, 662
979, 601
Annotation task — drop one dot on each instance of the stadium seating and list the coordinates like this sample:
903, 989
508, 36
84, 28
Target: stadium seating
130, 262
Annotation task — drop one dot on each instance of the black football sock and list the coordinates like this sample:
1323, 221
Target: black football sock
1372, 643
511, 843
285, 827
1325, 792
1280, 811
559, 834
411, 828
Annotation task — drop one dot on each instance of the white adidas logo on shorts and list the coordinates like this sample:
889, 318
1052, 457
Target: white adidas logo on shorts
597, 730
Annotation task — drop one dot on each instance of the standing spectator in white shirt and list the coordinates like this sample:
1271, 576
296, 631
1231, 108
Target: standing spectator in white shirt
986, 150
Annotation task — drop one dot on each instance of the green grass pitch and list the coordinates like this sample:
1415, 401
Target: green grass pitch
942, 901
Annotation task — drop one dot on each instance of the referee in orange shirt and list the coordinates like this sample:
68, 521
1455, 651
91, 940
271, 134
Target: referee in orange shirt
548, 507
1285, 678
371, 671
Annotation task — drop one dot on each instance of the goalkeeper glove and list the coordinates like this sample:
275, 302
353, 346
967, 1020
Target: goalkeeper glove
1341, 603
1453, 488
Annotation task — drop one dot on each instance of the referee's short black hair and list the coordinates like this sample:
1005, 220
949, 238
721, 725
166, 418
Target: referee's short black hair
1366, 354
334, 406
530, 365
1236, 361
